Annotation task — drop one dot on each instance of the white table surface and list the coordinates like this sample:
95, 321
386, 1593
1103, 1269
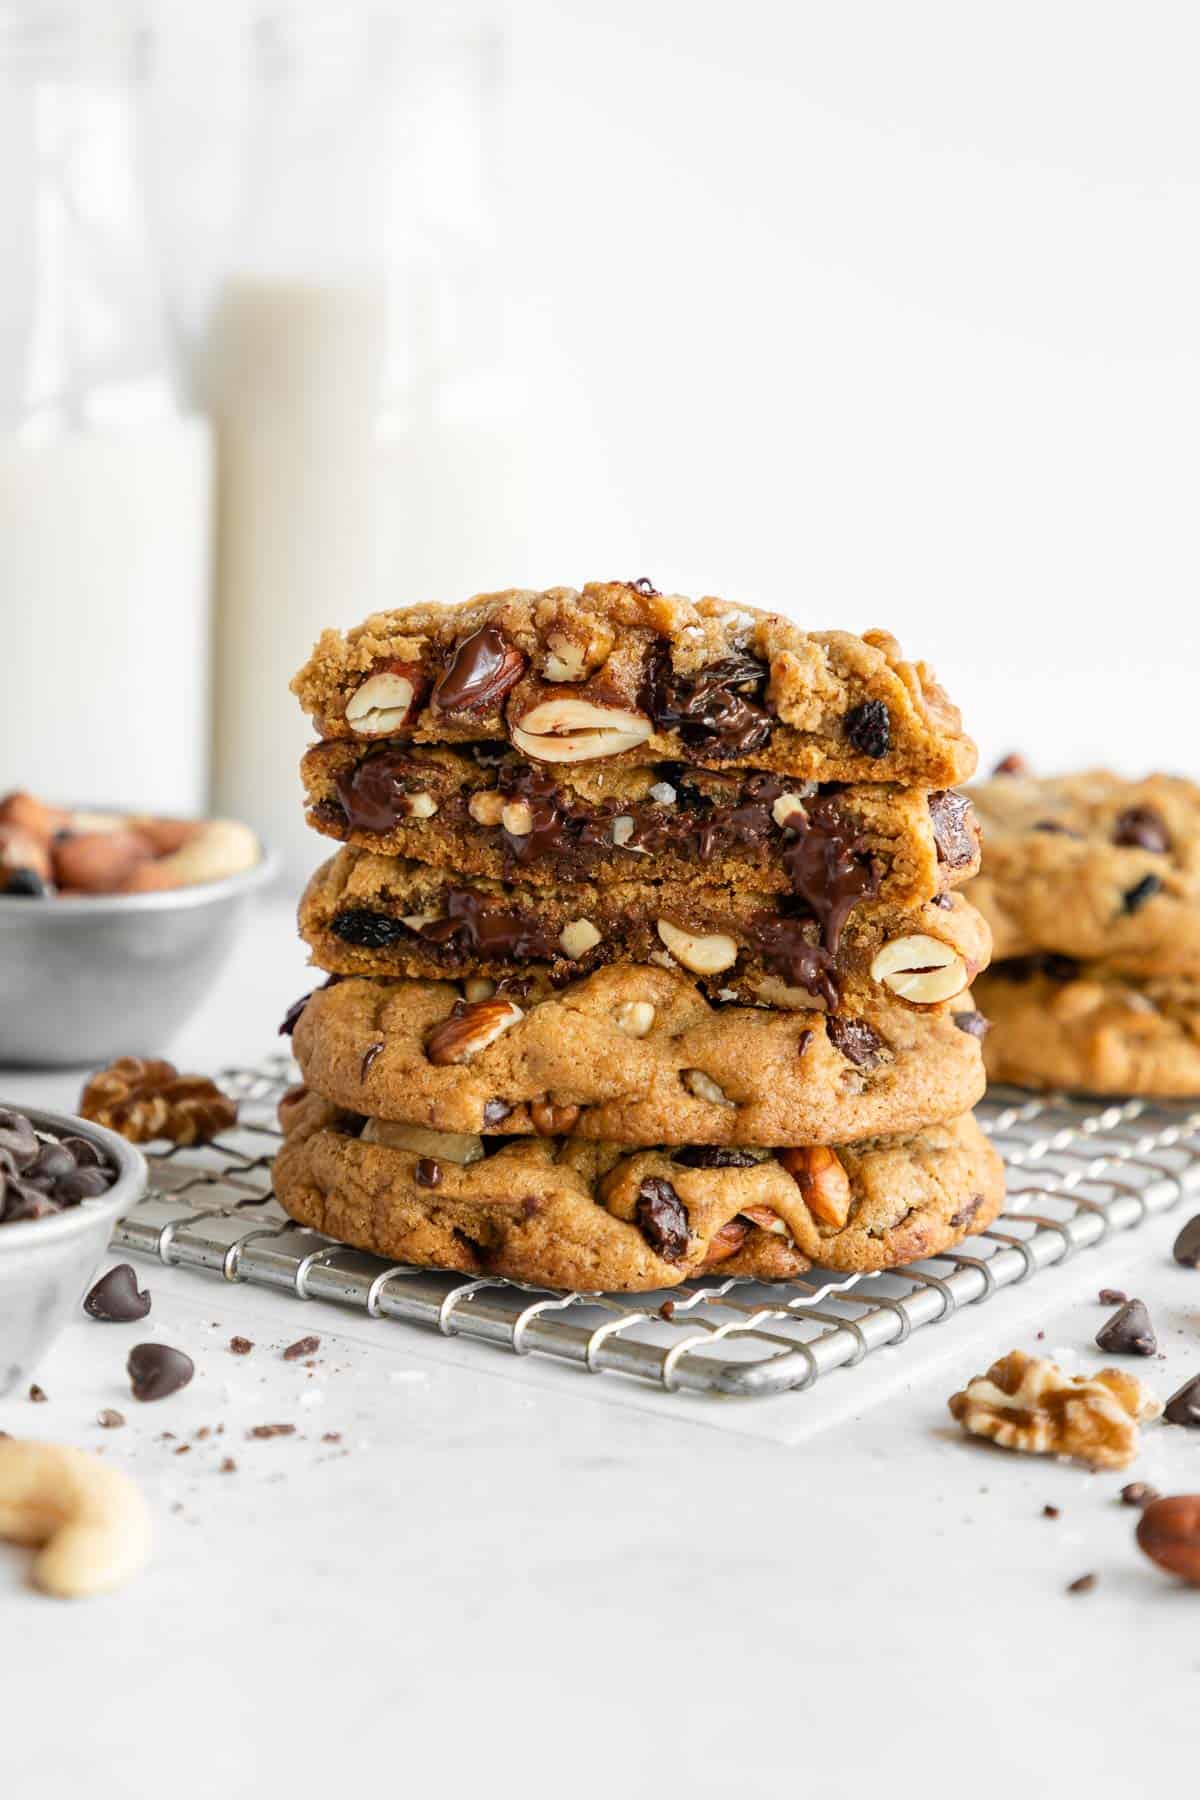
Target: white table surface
511, 1577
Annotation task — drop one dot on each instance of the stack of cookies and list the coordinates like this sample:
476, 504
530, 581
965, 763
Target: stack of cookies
645, 950
1091, 884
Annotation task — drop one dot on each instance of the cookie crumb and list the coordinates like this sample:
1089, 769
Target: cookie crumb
228, 1466
110, 1418
240, 1346
302, 1347
1111, 1297
38, 1395
270, 1431
1138, 1493
1051, 1512
1082, 1584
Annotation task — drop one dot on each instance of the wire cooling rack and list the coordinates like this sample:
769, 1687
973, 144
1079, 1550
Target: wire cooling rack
1078, 1171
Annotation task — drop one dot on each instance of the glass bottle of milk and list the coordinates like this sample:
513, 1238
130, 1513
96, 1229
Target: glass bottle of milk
345, 360
104, 480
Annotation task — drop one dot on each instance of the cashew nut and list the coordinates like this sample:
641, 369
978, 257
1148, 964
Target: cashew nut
90, 1520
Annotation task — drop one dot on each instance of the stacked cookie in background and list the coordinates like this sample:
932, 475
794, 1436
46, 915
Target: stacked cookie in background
1091, 885
645, 951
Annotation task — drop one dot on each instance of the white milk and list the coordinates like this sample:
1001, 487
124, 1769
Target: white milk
323, 516
104, 574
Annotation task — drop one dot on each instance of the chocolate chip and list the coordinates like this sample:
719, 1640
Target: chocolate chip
1012, 764
86, 1155
25, 884
857, 1041
52, 1161
369, 1055
291, 1017
116, 1297
427, 1173
1183, 1408
1082, 1584
156, 1370
973, 1023
368, 930
1112, 1297
241, 1346
304, 1346
1138, 1493
38, 1395
495, 1110
1129, 1332
718, 711
18, 1138
81, 1184
662, 1219
1142, 828
480, 672
954, 835
869, 728
110, 1418
270, 1431
1050, 1512
712, 1156
1186, 1249
1143, 890
645, 587
228, 1466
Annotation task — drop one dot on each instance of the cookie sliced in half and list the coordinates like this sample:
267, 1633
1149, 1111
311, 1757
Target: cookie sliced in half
559, 1213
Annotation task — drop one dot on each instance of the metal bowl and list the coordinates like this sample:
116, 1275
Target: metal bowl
47, 1265
87, 978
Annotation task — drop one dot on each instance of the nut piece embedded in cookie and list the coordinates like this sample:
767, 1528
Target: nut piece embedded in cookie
921, 969
471, 1027
566, 728
144, 1099
703, 955
822, 1181
1027, 1403
385, 702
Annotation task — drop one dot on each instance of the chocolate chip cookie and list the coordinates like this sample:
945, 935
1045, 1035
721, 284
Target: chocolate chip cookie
560, 1213
621, 671
1059, 1024
634, 1055
379, 915
1094, 867
483, 810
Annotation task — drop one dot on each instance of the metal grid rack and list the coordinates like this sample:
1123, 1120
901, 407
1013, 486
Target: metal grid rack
1078, 1171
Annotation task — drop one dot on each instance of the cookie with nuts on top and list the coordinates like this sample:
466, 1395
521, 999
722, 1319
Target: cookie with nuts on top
1093, 867
483, 810
622, 671
563, 1213
633, 1055
380, 915
1059, 1024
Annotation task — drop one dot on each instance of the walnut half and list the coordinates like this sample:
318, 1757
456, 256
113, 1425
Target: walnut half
1027, 1403
145, 1098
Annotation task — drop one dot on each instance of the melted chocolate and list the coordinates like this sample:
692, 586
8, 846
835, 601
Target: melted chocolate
828, 868
717, 711
480, 672
482, 928
787, 952
374, 796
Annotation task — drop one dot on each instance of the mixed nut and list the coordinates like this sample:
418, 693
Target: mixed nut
48, 850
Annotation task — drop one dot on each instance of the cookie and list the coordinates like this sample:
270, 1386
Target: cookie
622, 671
633, 1055
560, 1213
381, 915
1093, 867
483, 810
1057, 1024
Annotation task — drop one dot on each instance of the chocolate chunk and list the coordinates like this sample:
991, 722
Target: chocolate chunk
476, 927
787, 951
110, 1418
1129, 1332
270, 1431
116, 1297
1012, 764
25, 884
1183, 1408
156, 1370
427, 1173
1136, 896
1186, 1249
38, 1395
51, 1162
369, 1055
1082, 1584
494, 1111
368, 930
1050, 1512
1048, 963
829, 867
1112, 1297
858, 1042
1142, 828
1138, 1493
1056, 829
869, 728
305, 1346
973, 1023
718, 711
662, 1219
802, 1043
954, 832
966, 1213
241, 1346
713, 1156
86, 1155
480, 672
376, 794
81, 1184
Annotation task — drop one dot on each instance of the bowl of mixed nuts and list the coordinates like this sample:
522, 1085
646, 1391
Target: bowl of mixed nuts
63, 1184
112, 925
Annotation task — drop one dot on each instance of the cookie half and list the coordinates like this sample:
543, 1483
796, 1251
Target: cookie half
563, 1214
1054, 1024
483, 810
382, 915
635, 1055
622, 671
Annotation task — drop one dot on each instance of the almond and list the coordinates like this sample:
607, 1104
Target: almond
99, 862
823, 1183
470, 1028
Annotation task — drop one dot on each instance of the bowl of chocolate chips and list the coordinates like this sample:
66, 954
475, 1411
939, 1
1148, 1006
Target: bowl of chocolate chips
63, 1184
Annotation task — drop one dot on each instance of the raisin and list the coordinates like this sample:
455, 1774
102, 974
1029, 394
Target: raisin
1144, 890
869, 728
712, 1156
662, 1219
371, 930
858, 1042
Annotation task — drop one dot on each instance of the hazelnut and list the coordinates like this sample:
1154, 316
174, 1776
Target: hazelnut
786, 808
478, 987
465, 1033
564, 661
704, 1087
384, 702
921, 969
487, 806
1169, 1533
702, 954
578, 938
634, 1017
565, 728
421, 806
517, 818
823, 1182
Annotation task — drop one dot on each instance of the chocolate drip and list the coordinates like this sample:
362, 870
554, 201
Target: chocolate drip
787, 952
828, 868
